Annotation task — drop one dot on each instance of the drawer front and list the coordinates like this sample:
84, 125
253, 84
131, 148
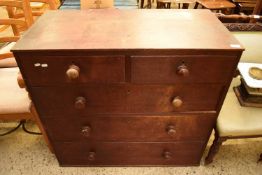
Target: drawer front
182, 69
59, 70
131, 128
125, 99
132, 153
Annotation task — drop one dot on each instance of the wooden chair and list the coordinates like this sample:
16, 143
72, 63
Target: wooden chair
18, 26
235, 122
15, 103
40, 6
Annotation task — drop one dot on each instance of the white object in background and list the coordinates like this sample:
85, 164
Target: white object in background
244, 71
96, 4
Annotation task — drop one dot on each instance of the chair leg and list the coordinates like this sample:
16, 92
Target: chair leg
214, 148
260, 159
39, 123
196, 5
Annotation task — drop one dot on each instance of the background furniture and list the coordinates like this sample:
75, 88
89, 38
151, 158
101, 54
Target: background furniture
18, 25
96, 4
223, 5
245, 5
235, 122
15, 103
163, 4
137, 101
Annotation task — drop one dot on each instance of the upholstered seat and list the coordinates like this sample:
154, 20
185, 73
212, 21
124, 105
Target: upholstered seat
7, 62
235, 120
13, 98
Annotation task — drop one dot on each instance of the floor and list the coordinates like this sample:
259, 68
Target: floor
21, 153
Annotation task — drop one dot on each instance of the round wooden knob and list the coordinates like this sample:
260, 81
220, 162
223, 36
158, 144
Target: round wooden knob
91, 155
80, 103
182, 70
177, 102
171, 130
73, 72
86, 131
167, 155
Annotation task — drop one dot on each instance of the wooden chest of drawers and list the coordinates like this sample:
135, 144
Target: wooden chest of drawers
131, 87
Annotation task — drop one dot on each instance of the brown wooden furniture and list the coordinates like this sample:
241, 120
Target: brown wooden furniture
40, 6
18, 25
15, 103
163, 4
215, 4
185, 3
244, 122
148, 5
113, 93
245, 5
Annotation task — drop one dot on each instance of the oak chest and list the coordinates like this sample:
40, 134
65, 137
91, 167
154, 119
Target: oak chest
133, 87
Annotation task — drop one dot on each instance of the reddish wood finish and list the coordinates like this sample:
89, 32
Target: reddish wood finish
165, 69
92, 69
114, 90
132, 153
137, 128
126, 98
105, 29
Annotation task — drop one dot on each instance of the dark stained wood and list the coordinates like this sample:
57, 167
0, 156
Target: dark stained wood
132, 153
137, 128
216, 4
92, 69
117, 89
165, 69
258, 7
110, 29
148, 99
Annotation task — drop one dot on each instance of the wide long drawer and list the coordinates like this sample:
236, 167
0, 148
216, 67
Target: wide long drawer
182, 69
128, 153
131, 128
58, 70
126, 98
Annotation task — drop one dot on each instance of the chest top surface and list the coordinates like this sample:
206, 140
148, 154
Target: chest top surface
127, 29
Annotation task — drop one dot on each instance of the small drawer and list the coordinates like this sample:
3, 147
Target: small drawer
128, 153
131, 128
126, 98
182, 69
58, 70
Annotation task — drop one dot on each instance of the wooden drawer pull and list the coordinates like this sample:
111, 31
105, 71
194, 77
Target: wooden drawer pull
167, 155
171, 130
177, 102
80, 103
182, 70
73, 72
91, 155
86, 131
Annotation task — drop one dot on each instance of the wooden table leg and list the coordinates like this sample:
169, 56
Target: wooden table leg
142, 4
196, 5
185, 5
